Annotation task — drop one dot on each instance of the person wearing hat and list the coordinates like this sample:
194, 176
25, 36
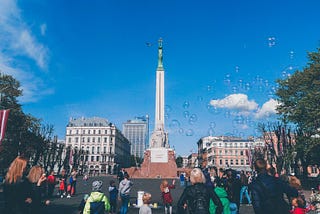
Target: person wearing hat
97, 201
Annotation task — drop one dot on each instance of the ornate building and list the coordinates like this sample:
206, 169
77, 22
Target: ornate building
227, 152
102, 146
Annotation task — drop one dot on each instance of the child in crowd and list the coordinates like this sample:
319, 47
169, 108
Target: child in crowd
166, 195
145, 209
97, 202
113, 192
298, 206
315, 200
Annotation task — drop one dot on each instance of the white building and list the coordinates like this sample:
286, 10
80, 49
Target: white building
103, 147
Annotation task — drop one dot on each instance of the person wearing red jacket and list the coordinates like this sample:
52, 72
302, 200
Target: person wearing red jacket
166, 195
51, 180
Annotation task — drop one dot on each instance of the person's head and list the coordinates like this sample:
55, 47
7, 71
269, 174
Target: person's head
294, 182
16, 169
163, 185
196, 176
221, 172
126, 176
260, 165
96, 186
112, 183
63, 172
51, 172
35, 174
146, 198
298, 202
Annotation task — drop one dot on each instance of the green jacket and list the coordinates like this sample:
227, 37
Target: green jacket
96, 197
223, 196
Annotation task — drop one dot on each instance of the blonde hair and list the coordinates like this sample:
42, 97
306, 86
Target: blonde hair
196, 176
146, 198
35, 174
295, 182
163, 185
16, 170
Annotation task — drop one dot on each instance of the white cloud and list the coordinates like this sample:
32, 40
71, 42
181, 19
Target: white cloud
43, 29
17, 39
267, 109
16, 35
235, 102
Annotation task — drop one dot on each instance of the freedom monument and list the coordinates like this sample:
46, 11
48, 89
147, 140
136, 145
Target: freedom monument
159, 158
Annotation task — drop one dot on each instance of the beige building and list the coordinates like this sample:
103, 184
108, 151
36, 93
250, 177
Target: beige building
227, 152
102, 146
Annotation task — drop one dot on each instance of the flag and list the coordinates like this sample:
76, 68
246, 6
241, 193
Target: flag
3, 122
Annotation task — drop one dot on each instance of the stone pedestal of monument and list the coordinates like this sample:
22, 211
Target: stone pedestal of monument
157, 163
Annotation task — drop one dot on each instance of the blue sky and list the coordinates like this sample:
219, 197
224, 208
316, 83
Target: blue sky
221, 59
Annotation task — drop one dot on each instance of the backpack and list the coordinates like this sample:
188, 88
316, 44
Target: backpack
97, 207
200, 204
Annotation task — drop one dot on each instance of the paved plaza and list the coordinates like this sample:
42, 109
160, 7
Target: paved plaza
70, 205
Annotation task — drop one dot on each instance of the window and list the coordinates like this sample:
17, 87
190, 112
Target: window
98, 139
92, 158
93, 139
92, 150
104, 149
87, 157
94, 131
69, 140
105, 132
83, 139
83, 131
88, 131
70, 132
99, 131
246, 145
105, 140
98, 158
220, 152
237, 162
88, 139
220, 162
241, 152
77, 131
226, 162
225, 151
77, 139
98, 150
242, 162
231, 162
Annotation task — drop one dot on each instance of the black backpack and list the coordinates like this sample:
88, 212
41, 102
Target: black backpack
199, 204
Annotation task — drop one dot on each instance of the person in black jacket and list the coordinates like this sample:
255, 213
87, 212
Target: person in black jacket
17, 192
37, 179
267, 192
196, 198
233, 187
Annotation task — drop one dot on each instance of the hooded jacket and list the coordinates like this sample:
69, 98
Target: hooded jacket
96, 199
223, 196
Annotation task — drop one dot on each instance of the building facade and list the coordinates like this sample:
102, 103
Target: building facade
137, 132
227, 152
103, 147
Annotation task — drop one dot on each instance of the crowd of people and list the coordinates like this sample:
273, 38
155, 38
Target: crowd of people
30, 190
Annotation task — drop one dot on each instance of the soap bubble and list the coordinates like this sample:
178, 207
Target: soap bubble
167, 109
271, 41
166, 116
211, 132
174, 124
189, 132
186, 114
181, 131
186, 105
213, 109
193, 118
200, 98
212, 125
